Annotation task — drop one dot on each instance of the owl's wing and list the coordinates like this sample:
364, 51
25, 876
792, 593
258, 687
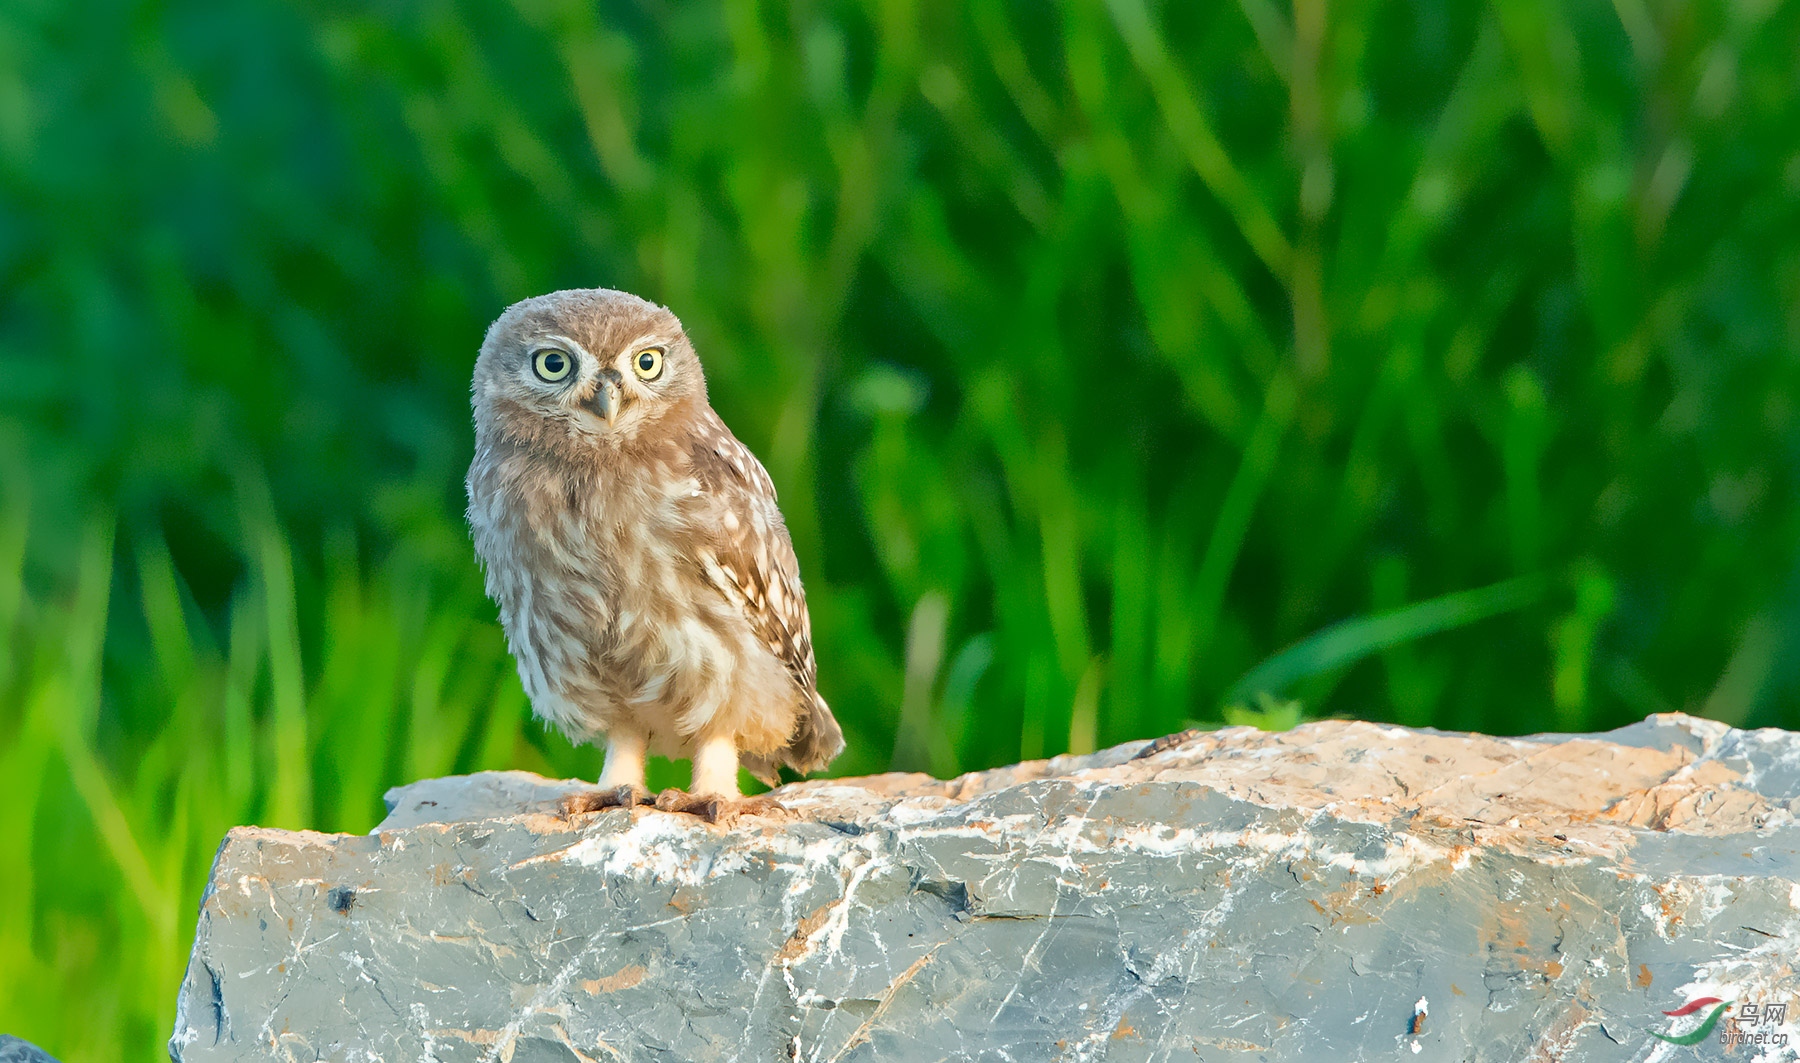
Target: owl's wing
747, 554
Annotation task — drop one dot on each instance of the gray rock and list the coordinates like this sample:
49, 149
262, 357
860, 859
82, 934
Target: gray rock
15, 1050
1342, 891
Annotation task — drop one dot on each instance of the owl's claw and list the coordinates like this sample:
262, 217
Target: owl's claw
706, 806
625, 796
713, 808
760, 805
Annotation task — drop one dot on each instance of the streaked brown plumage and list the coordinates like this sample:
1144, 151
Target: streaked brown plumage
645, 579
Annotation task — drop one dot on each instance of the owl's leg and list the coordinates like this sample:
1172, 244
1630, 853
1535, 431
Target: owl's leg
715, 788
715, 785
716, 766
624, 759
621, 779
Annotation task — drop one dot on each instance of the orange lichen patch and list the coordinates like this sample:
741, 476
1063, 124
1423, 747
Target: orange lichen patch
623, 978
1123, 1030
1511, 924
1343, 906
1643, 978
799, 943
1667, 904
474, 1037
1553, 970
1456, 991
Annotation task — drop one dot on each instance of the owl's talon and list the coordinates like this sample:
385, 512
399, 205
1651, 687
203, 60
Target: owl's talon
760, 805
716, 809
705, 806
625, 796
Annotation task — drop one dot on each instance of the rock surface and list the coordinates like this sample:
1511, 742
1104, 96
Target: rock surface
1341, 891
15, 1050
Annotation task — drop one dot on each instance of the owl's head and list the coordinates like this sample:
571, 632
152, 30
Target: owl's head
582, 368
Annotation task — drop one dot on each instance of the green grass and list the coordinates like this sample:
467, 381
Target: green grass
1121, 365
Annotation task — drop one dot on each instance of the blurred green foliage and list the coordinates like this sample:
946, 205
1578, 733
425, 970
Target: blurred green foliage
1102, 352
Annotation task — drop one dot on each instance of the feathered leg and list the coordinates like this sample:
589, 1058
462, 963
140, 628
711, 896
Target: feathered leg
621, 779
624, 759
715, 784
716, 766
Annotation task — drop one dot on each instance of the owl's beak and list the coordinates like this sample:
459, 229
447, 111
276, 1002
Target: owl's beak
605, 402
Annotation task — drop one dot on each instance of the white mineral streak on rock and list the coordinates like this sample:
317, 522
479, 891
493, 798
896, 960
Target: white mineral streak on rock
1306, 895
661, 847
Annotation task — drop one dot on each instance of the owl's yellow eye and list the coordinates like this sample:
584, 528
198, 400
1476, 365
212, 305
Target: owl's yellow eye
647, 363
551, 365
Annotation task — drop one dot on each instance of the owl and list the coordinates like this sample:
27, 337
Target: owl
643, 573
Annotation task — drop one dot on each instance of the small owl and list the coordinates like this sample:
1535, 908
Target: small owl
645, 578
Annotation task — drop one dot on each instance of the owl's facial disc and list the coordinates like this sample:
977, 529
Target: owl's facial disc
626, 391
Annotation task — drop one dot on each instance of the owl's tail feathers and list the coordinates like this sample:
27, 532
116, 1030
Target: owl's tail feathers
817, 741
762, 768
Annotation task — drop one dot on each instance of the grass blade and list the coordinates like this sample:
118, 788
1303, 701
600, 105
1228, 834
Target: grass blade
1352, 640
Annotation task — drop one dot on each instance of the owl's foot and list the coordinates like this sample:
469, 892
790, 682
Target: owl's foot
714, 808
760, 805
625, 796
707, 806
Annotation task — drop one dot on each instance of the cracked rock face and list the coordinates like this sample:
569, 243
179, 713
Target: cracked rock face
1340, 891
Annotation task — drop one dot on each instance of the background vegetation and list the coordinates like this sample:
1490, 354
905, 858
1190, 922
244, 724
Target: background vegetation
1100, 350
